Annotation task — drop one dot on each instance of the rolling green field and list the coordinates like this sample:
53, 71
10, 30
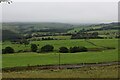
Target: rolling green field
105, 31
25, 59
77, 29
67, 43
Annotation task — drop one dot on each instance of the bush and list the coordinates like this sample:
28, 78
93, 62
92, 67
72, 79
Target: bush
83, 49
78, 49
8, 50
3, 51
74, 49
47, 48
63, 50
33, 47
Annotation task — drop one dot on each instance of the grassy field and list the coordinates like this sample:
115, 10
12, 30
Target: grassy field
105, 42
85, 72
28, 58
25, 59
105, 31
67, 43
77, 29
55, 43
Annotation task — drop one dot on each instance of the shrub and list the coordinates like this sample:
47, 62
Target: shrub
47, 48
63, 50
78, 49
74, 49
8, 50
3, 51
26, 42
83, 49
33, 47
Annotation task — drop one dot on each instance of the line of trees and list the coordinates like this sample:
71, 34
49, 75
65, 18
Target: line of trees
8, 50
48, 48
85, 35
73, 49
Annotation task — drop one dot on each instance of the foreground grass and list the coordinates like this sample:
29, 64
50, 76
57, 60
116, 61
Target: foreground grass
85, 72
25, 59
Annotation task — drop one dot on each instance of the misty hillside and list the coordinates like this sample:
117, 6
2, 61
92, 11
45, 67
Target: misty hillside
9, 35
16, 30
42, 27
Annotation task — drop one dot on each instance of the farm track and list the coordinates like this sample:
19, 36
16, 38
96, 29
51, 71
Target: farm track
62, 66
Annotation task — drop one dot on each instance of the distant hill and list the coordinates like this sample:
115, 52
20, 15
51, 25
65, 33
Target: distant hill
15, 30
32, 27
97, 27
9, 35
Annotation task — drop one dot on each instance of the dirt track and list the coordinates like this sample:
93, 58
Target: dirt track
63, 66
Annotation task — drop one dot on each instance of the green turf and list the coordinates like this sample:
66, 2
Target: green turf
104, 31
67, 43
77, 29
24, 59
55, 43
105, 42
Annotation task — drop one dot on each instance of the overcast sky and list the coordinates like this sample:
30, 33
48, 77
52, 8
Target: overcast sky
67, 12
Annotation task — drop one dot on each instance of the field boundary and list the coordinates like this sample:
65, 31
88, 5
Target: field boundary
62, 66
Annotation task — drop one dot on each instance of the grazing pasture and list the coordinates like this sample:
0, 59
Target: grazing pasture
52, 58
66, 43
31, 59
25, 59
98, 50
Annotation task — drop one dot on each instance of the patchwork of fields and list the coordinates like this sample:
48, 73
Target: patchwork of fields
23, 62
